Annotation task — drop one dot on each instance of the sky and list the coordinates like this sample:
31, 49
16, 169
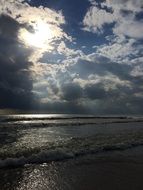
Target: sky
71, 56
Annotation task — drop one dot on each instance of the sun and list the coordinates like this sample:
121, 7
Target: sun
40, 38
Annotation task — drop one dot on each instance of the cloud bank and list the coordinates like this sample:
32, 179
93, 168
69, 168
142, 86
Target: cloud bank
65, 75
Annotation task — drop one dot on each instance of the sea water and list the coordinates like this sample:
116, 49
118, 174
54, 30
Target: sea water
35, 150
30, 139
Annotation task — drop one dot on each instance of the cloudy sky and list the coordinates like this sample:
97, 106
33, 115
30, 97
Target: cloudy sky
71, 56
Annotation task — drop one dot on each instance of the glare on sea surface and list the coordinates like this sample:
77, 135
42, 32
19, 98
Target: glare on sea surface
39, 38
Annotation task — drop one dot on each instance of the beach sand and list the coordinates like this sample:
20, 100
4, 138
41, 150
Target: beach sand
117, 170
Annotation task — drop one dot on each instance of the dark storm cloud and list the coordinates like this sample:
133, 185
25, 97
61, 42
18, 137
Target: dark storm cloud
121, 94
95, 91
97, 86
101, 67
71, 92
15, 81
8, 27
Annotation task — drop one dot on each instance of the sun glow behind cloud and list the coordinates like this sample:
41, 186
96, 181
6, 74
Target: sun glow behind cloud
63, 63
41, 37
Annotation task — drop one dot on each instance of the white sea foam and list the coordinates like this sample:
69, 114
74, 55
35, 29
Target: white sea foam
43, 156
60, 155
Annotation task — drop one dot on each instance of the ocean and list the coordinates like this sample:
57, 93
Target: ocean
39, 151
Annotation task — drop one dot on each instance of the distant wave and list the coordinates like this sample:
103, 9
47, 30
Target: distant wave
16, 118
45, 123
69, 121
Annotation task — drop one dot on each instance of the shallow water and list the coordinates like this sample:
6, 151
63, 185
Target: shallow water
29, 139
59, 152
103, 171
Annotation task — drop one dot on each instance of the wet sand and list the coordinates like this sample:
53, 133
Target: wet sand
117, 170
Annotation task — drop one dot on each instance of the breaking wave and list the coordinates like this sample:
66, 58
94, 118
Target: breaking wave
47, 156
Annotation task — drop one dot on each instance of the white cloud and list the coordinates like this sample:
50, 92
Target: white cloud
63, 49
137, 71
122, 13
109, 81
95, 18
131, 28
30, 17
24, 13
118, 50
129, 5
138, 60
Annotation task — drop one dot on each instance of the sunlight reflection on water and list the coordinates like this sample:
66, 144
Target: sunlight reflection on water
44, 176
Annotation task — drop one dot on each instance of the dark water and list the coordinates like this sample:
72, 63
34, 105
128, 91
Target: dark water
30, 139
57, 151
